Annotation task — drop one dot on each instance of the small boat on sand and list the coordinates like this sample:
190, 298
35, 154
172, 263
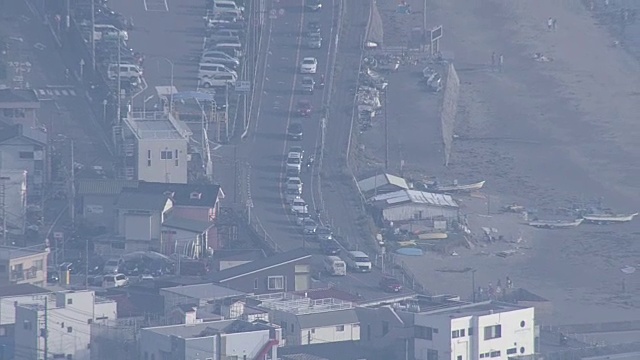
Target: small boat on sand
455, 187
556, 224
609, 218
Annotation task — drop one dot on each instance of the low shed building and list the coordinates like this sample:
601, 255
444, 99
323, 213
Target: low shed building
411, 205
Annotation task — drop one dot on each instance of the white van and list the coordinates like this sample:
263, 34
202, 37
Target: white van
115, 280
226, 6
127, 72
218, 80
359, 261
334, 266
101, 31
233, 49
208, 70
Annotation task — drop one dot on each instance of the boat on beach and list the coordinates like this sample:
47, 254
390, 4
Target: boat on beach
556, 224
455, 187
609, 218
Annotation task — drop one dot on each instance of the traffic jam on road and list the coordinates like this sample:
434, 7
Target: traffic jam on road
304, 93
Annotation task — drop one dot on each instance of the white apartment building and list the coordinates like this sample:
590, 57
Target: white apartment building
215, 340
64, 319
155, 145
305, 321
487, 330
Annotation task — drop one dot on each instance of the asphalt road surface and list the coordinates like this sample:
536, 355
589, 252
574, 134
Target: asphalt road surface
277, 109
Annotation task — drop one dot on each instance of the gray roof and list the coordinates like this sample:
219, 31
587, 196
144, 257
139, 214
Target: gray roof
104, 186
328, 318
374, 182
188, 224
21, 289
19, 96
35, 135
402, 197
207, 328
205, 195
9, 252
262, 264
206, 291
132, 200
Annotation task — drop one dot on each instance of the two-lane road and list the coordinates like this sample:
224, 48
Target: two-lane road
277, 110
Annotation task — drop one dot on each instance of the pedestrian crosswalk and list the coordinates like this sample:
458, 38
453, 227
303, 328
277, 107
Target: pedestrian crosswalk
47, 93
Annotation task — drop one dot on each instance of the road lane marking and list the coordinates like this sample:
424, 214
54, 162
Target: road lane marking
72, 92
144, 2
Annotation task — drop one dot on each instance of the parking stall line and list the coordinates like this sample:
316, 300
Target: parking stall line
144, 2
166, 6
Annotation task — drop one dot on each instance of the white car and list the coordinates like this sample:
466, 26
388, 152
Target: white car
299, 206
309, 65
294, 161
298, 150
115, 280
218, 80
292, 194
294, 183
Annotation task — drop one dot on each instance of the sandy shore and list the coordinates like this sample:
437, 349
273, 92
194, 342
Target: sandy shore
544, 135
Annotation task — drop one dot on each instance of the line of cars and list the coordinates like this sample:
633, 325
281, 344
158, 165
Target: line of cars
115, 59
223, 46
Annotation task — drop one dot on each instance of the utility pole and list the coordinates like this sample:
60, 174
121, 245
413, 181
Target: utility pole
386, 133
46, 328
3, 188
93, 39
86, 263
72, 189
119, 88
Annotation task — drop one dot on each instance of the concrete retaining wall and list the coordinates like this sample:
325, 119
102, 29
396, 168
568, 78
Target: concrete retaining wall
449, 110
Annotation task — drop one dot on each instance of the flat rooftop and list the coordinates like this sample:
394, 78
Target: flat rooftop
300, 305
458, 309
9, 252
206, 291
205, 329
156, 125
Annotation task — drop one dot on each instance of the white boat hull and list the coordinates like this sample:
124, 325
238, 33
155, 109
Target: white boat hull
555, 224
609, 219
460, 188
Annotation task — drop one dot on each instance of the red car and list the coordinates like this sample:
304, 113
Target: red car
304, 108
389, 284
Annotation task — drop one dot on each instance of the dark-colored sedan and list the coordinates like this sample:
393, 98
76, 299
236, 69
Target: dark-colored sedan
391, 285
330, 247
294, 131
304, 108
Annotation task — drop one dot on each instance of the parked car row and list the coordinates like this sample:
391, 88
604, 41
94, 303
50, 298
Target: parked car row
115, 59
224, 45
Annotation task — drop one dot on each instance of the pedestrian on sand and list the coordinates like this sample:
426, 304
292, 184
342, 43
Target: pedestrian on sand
554, 24
493, 61
550, 24
501, 62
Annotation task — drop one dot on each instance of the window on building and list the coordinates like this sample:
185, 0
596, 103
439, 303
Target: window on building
177, 162
26, 325
522, 323
166, 155
423, 332
313, 331
176, 154
455, 334
459, 357
432, 354
89, 321
385, 328
3, 331
495, 354
512, 351
209, 358
148, 154
69, 329
292, 328
340, 328
492, 332
275, 283
522, 350
149, 162
69, 357
462, 334
255, 284
470, 331
481, 356
25, 154
69, 301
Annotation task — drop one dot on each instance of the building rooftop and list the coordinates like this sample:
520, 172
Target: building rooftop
239, 255
300, 305
456, 309
262, 264
104, 186
9, 252
188, 224
185, 194
413, 196
206, 291
205, 329
341, 350
18, 96
154, 125
21, 289
130, 199
12, 131
377, 181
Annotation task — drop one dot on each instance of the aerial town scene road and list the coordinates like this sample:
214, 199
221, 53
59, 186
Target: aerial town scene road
319, 179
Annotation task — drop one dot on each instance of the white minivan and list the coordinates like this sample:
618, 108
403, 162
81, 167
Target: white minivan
101, 31
208, 70
218, 80
226, 6
127, 72
359, 261
334, 266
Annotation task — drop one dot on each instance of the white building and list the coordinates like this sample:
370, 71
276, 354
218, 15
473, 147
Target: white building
197, 295
13, 196
305, 321
408, 205
65, 318
487, 330
156, 147
381, 184
216, 340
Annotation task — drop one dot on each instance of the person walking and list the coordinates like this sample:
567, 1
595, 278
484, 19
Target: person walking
501, 62
554, 24
493, 61
550, 24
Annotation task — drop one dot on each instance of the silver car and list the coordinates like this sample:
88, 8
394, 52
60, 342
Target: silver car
309, 227
314, 41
